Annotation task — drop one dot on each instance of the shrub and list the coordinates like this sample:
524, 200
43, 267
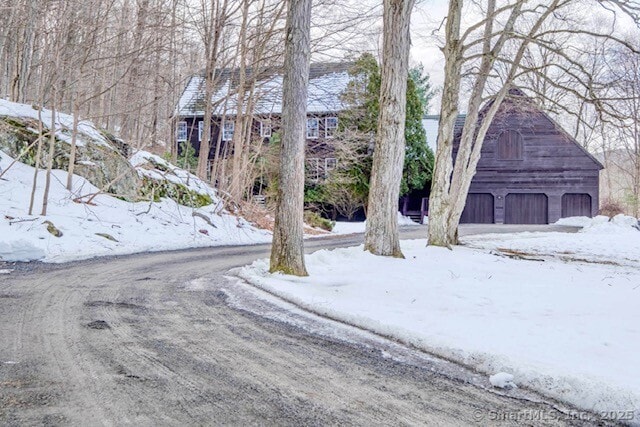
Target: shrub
611, 208
315, 220
179, 193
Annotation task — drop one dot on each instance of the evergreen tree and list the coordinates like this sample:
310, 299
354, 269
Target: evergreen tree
359, 124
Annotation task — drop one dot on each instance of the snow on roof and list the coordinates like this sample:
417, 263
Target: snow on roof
87, 132
327, 82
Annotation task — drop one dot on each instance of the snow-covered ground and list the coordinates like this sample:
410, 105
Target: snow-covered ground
347, 227
601, 240
570, 329
107, 226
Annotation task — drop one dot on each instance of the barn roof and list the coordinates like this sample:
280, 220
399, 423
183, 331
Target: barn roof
327, 81
431, 123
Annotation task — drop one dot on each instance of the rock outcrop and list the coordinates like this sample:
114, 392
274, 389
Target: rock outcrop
101, 162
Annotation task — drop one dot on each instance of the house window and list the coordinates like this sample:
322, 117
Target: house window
510, 146
200, 128
181, 131
265, 128
330, 126
313, 171
227, 130
330, 164
313, 128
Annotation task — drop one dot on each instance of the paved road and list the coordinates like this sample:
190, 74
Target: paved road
154, 339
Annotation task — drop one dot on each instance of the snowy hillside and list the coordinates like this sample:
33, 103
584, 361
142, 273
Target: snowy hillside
117, 206
107, 225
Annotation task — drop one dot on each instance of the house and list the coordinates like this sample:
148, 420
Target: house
327, 82
530, 171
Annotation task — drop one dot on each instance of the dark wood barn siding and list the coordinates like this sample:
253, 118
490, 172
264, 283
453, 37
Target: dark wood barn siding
479, 209
576, 205
551, 162
509, 145
526, 208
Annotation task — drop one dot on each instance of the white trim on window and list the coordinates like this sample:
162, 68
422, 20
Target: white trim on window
313, 172
200, 129
330, 126
330, 163
228, 128
265, 128
313, 128
181, 131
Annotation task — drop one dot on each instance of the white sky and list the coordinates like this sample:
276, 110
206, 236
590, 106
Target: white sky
426, 40
425, 48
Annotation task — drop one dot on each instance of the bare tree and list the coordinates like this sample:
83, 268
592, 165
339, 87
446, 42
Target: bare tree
381, 237
287, 252
623, 159
493, 49
215, 14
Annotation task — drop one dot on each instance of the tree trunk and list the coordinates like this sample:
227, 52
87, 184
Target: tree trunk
242, 113
287, 252
52, 144
74, 144
34, 188
381, 236
451, 182
441, 231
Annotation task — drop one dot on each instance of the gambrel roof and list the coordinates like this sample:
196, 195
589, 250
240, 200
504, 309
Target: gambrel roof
327, 82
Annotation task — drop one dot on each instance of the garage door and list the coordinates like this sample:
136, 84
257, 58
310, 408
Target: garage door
576, 205
522, 208
478, 210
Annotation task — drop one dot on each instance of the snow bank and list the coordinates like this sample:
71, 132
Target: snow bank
502, 380
582, 221
569, 330
347, 227
20, 250
617, 224
602, 240
405, 220
107, 225
63, 123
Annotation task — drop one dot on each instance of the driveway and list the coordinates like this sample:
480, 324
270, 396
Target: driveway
167, 339
471, 229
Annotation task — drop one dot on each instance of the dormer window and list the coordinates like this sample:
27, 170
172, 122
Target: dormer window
510, 146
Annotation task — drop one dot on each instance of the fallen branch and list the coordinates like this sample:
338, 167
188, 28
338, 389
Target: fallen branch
23, 220
204, 218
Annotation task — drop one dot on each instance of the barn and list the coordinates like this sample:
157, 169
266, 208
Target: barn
530, 171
